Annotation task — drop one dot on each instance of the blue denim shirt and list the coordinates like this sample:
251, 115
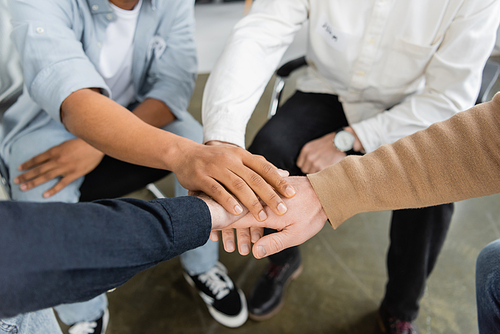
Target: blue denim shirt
59, 42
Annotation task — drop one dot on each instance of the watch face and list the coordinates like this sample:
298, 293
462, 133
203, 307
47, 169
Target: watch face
344, 141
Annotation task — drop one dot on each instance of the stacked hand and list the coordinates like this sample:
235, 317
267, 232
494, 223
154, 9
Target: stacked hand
304, 219
231, 175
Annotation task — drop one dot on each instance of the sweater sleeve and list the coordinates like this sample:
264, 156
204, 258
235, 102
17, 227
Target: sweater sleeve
58, 253
450, 161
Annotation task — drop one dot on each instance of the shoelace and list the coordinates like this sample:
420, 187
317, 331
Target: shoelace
218, 282
83, 328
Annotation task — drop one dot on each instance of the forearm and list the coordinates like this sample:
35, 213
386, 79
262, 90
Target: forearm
154, 112
452, 78
54, 253
251, 55
117, 132
450, 161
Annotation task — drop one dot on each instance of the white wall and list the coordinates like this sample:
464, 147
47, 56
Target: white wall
214, 23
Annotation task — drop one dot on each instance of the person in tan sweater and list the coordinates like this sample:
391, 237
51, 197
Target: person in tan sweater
450, 161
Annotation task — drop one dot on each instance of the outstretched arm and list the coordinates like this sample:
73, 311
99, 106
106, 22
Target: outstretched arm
450, 161
55, 253
211, 169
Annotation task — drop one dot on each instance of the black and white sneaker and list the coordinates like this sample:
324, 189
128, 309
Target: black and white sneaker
225, 302
93, 327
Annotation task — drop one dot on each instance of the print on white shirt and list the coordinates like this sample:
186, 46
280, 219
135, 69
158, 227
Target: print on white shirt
336, 38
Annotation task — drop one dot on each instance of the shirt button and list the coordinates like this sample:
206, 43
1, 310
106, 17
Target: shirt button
99, 45
95, 7
361, 73
371, 41
40, 30
109, 16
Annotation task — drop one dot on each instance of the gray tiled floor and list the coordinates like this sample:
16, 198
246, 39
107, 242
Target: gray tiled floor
340, 288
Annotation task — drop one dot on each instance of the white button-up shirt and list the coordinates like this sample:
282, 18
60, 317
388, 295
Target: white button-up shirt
396, 65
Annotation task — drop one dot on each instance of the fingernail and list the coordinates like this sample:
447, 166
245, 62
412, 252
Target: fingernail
24, 187
262, 215
238, 209
46, 195
289, 191
255, 237
229, 246
16, 180
261, 251
283, 173
281, 208
245, 249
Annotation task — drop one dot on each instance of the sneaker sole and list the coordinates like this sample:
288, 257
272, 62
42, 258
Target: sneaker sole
278, 308
226, 320
231, 321
381, 325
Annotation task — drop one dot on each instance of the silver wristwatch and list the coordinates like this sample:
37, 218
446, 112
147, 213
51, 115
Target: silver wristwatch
344, 141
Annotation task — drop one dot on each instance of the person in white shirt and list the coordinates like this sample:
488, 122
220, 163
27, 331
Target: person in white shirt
378, 70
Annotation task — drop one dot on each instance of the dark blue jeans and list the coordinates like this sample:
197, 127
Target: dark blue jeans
488, 289
416, 235
55, 253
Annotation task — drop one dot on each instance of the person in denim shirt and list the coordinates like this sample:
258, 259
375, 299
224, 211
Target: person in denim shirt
67, 123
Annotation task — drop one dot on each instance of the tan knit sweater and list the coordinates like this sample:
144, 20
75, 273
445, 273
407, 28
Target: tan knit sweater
450, 161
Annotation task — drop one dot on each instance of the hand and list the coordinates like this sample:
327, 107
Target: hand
70, 160
221, 219
304, 219
245, 236
222, 170
318, 154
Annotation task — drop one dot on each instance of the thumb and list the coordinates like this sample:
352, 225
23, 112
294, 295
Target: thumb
272, 244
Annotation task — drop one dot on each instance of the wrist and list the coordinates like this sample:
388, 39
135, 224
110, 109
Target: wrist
357, 146
177, 151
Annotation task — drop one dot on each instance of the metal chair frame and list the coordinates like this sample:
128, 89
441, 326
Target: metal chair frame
4, 184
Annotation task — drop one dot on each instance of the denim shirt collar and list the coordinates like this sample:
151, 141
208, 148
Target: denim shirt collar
102, 6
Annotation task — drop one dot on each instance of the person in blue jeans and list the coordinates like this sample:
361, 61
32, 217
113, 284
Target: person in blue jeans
84, 63
488, 288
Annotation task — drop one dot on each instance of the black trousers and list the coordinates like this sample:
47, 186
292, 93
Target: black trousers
416, 235
114, 178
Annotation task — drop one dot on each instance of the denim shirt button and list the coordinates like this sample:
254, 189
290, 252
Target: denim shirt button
95, 7
40, 30
99, 45
109, 16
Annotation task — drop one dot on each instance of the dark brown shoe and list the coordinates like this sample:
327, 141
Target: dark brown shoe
267, 297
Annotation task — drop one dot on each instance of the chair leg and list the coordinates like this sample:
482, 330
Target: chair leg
275, 99
154, 190
4, 183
